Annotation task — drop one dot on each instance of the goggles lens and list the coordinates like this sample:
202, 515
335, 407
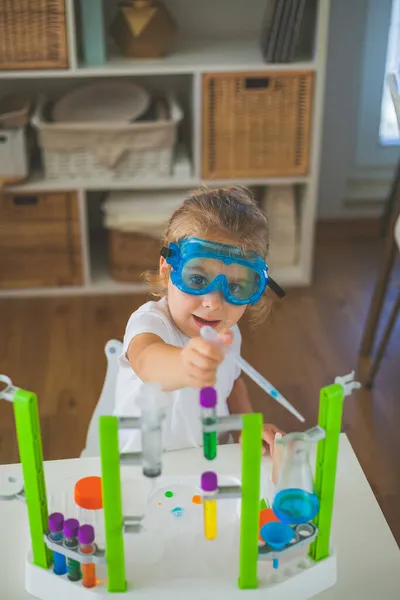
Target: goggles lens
241, 281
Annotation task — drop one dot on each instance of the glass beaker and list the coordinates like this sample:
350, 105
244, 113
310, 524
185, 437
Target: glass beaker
295, 501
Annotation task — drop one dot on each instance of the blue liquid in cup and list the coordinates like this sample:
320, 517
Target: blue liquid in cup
295, 506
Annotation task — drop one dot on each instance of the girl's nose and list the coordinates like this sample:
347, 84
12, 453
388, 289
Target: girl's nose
213, 300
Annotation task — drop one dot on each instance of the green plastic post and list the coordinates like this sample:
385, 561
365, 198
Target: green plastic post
112, 503
330, 419
249, 522
31, 456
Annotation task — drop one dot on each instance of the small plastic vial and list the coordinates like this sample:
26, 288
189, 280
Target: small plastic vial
86, 546
209, 485
71, 528
56, 525
208, 403
88, 497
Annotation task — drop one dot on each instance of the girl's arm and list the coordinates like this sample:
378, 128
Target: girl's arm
239, 403
173, 368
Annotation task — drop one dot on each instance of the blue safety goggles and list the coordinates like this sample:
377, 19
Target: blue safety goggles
200, 267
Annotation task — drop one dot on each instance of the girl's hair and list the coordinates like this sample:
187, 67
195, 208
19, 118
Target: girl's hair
230, 212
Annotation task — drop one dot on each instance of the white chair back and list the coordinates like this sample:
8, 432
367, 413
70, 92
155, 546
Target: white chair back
105, 405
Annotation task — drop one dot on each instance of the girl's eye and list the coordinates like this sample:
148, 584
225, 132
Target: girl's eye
235, 288
198, 280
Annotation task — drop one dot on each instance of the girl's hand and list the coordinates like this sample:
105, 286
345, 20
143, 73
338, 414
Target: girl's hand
268, 437
200, 360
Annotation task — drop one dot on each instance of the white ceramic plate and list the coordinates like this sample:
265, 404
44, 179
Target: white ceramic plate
105, 101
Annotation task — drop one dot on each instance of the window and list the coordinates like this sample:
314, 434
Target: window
374, 100
388, 129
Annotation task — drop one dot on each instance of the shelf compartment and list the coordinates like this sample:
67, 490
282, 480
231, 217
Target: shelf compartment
256, 124
40, 243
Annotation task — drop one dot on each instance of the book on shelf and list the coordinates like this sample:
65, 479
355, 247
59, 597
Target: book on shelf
281, 28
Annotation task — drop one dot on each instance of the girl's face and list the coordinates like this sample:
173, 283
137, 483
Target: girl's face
191, 312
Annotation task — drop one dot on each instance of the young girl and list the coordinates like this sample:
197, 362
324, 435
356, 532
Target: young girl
211, 272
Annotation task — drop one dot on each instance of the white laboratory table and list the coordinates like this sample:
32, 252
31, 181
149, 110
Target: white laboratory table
368, 556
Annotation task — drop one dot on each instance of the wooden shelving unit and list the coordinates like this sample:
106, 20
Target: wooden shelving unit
227, 43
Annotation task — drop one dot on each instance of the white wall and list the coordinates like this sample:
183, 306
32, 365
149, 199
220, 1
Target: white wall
339, 137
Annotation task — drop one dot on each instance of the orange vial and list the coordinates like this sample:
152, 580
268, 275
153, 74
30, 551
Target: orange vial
86, 546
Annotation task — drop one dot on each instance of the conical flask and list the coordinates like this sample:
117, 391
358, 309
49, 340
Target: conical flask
295, 501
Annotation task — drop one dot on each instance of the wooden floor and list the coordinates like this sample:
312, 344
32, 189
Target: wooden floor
55, 347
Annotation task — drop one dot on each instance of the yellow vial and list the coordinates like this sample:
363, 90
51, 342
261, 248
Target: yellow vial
210, 519
209, 485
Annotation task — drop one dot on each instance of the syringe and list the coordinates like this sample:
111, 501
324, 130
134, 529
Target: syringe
208, 333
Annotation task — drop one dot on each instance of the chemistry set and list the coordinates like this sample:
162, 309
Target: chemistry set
68, 550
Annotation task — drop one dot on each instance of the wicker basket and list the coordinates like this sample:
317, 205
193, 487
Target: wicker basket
114, 150
256, 124
40, 243
33, 34
130, 254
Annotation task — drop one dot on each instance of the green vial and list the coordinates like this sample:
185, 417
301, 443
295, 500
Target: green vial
208, 403
71, 528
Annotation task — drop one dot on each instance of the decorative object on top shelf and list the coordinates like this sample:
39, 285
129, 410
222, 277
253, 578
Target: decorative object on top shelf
92, 32
143, 29
279, 204
14, 117
256, 124
136, 222
40, 242
33, 34
109, 149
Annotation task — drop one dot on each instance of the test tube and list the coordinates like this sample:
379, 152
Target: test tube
86, 546
153, 410
88, 497
209, 485
71, 528
56, 525
208, 403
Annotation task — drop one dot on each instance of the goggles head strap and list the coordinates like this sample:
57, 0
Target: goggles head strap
276, 288
165, 252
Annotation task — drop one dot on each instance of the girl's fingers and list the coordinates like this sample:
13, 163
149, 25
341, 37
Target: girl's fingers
197, 381
208, 349
202, 362
226, 336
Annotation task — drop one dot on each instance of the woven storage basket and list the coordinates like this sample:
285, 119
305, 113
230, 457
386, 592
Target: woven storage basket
114, 150
256, 124
33, 34
130, 254
40, 243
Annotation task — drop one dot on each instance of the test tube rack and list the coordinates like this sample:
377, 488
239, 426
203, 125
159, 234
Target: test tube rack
34, 494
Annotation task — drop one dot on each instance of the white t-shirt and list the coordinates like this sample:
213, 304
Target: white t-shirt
182, 427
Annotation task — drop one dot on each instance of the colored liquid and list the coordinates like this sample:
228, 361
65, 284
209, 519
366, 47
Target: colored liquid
209, 441
210, 519
88, 571
74, 570
74, 567
295, 506
60, 564
59, 560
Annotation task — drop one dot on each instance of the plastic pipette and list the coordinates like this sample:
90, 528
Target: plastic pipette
209, 334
